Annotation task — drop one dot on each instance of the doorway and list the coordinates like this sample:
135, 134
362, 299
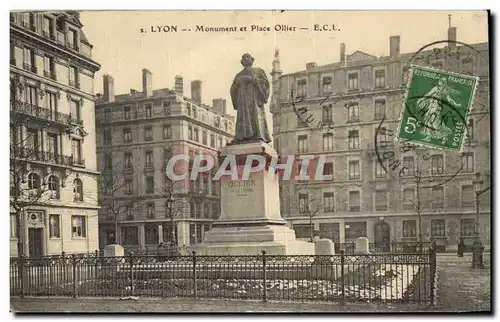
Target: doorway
35, 242
382, 236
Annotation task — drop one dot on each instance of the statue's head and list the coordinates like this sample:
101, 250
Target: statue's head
247, 60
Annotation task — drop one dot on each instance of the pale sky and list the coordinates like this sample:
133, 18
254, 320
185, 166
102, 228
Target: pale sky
214, 57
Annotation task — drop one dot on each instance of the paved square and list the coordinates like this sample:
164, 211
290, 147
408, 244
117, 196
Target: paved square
436, 108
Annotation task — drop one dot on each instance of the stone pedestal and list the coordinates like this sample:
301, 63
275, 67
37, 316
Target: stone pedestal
114, 250
362, 246
250, 218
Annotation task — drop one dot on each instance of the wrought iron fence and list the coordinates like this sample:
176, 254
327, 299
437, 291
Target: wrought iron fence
384, 277
387, 247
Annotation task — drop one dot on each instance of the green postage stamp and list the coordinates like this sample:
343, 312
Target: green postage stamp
436, 108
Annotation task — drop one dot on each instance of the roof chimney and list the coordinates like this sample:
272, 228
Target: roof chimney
179, 84
108, 88
196, 91
342, 54
311, 65
394, 46
147, 83
452, 34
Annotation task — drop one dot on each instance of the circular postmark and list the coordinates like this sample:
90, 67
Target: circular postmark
434, 113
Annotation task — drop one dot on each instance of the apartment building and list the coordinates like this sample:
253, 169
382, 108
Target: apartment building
363, 199
53, 171
137, 134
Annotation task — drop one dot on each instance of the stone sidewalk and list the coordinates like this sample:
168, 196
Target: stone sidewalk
461, 288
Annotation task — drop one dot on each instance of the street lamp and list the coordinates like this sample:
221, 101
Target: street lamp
477, 251
170, 204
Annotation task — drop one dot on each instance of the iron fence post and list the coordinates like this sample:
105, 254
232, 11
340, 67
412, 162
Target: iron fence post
433, 269
195, 291
264, 277
73, 260
96, 264
131, 259
21, 273
342, 281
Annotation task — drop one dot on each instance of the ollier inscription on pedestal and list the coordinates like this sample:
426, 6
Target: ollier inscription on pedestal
241, 188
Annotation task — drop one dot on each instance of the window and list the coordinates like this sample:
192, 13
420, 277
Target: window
127, 135
217, 121
380, 78
13, 226
354, 170
128, 160
468, 196
354, 201
328, 169
54, 226
406, 74
108, 161
30, 95
167, 131
149, 110
74, 77
72, 39
75, 110
52, 104
151, 234
78, 228
327, 114
53, 187
107, 115
195, 112
328, 142
148, 133
379, 170
212, 140
467, 227
150, 210
29, 62
352, 112
437, 65
328, 202
76, 146
409, 228
107, 137
207, 209
352, 81
468, 65
379, 109
204, 137
77, 190
52, 146
188, 108
33, 181
150, 184
126, 112
130, 235
48, 27
302, 230
408, 197
408, 166
221, 145
190, 133
196, 135
470, 129
438, 228
468, 162
301, 88
353, 139
166, 108
437, 164
437, 197
167, 154
303, 203
32, 143
380, 200
49, 67
130, 212
149, 159
327, 84
302, 143
128, 187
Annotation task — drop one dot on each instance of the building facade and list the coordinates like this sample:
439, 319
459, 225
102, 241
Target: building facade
363, 199
138, 133
53, 171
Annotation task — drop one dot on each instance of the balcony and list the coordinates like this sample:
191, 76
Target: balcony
36, 155
40, 112
78, 161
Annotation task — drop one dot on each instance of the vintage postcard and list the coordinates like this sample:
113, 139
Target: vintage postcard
288, 161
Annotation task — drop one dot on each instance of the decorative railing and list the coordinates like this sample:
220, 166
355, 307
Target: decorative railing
40, 112
36, 155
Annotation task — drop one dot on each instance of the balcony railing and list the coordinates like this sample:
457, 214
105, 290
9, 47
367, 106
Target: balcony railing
78, 161
36, 155
40, 112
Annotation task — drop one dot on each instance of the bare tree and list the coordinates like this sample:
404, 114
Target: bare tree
310, 207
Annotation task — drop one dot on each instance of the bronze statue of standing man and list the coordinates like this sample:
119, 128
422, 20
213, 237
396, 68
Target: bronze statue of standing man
249, 93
